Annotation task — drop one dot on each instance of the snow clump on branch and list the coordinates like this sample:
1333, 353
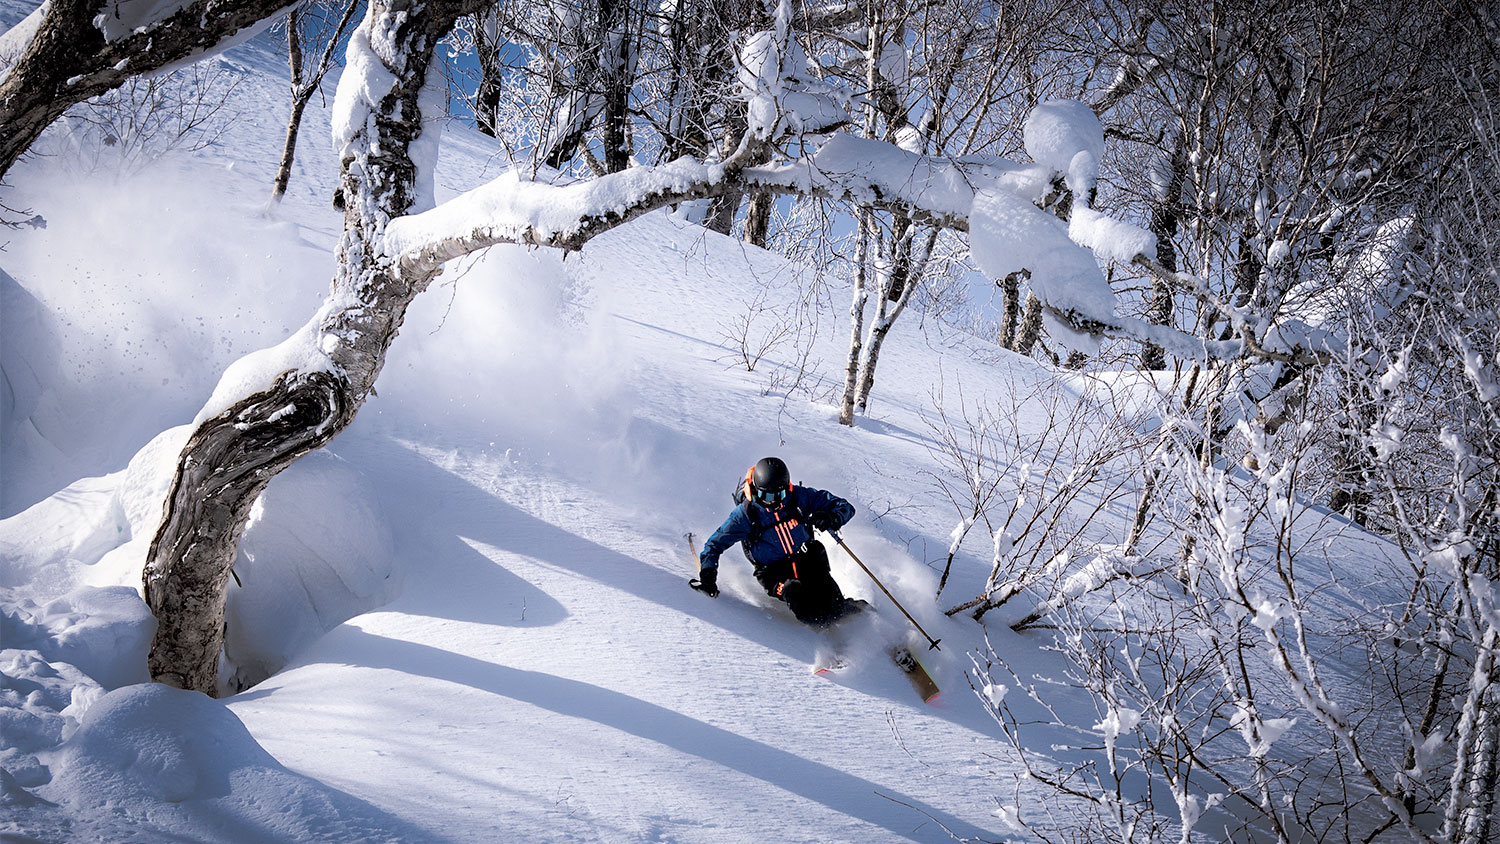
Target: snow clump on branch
780, 92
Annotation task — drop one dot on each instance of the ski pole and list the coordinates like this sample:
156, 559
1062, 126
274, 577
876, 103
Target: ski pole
931, 642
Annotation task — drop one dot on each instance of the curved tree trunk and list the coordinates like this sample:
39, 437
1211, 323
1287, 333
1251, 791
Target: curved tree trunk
231, 457
225, 465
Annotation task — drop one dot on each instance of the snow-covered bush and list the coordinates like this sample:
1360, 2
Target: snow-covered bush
1035, 468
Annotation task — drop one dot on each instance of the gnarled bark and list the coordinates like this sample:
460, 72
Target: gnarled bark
231, 457
69, 60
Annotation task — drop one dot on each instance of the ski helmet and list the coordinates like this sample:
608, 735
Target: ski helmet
770, 481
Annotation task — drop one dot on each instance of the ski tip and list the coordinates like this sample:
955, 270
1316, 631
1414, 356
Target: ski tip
831, 667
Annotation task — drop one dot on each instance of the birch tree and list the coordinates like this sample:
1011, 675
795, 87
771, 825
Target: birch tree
317, 26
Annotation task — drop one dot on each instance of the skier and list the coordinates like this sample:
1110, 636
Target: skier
774, 524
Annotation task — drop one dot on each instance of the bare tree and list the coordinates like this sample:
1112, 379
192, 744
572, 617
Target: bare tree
319, 24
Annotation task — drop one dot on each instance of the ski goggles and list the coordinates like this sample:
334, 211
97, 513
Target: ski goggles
770, 496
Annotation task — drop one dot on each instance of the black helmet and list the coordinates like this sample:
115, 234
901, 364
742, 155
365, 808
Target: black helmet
770, 481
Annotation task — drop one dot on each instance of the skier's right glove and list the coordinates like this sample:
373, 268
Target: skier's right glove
707, 582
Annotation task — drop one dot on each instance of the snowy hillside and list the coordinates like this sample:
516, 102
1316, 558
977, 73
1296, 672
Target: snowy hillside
467, 619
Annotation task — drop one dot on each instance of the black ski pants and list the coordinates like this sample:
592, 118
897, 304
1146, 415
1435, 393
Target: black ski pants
804, 582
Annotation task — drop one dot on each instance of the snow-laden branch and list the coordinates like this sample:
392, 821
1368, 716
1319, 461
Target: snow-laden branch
511, 209
67, 52
997, 201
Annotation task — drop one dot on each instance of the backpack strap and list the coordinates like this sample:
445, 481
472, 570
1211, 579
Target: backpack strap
758, 528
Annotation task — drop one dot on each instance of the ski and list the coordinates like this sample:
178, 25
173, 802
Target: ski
825, 666
916, 673
833, 660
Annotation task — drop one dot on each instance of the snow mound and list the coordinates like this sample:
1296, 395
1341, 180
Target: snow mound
40, 705
104, 632
317, 551
167, 759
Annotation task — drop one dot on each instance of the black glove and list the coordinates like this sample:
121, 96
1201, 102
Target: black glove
826, 522
707, 582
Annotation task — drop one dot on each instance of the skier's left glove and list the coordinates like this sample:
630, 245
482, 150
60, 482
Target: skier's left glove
706, 582
826, 522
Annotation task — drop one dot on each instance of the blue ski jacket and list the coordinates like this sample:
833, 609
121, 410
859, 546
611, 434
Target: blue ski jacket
769, 535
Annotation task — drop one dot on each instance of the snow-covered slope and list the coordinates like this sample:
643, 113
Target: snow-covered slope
495, 548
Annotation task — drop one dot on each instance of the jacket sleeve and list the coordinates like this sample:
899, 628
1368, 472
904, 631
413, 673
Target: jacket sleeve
736, 528
824, 507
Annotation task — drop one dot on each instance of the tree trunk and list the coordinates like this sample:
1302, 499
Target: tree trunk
305, 82
884, 321
231, 457
1010, 307
1471, 793
900, 257
616, 44
721, 212
225, 465
1031, 326
289, 149
1163, 224
300, 97
758, 217
487, 101
856, 319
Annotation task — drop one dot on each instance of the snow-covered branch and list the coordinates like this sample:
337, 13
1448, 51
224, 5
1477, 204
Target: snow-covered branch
75, 50
511, 209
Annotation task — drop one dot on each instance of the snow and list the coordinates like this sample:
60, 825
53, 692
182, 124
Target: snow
13, 41
363, 83
778, 89
121, 18
1065, 136
307, 349
164, 758
1108, 238
1007, 233
466, 619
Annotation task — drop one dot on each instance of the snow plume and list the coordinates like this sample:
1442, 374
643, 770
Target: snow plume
113, 311
306, 351
518, 350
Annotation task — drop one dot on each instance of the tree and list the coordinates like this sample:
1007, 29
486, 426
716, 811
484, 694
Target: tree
70, 58
311, 26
